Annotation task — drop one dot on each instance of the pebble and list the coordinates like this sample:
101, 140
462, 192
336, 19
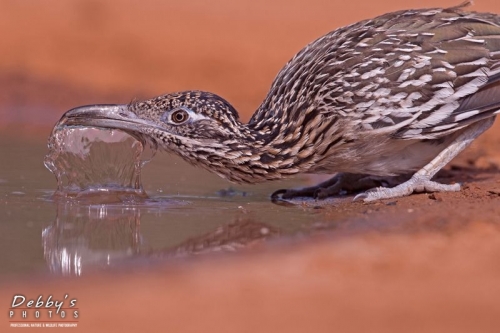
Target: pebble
436, 196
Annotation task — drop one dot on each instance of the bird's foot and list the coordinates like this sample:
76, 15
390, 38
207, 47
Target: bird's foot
416, 184
315, 192
342, 182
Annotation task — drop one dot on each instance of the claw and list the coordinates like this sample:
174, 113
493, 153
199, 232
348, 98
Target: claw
275, 195
360, 197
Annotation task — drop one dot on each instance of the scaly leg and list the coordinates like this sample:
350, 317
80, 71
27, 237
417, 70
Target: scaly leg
421, 180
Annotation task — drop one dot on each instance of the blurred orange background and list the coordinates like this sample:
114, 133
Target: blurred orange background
59, 54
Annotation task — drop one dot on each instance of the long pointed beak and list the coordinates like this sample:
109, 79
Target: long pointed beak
111, 116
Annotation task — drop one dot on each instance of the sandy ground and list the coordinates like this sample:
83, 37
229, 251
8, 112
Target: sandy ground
438, 268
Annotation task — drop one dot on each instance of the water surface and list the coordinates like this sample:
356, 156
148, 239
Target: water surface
189, 211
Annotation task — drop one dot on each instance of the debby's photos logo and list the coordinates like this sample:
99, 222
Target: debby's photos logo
43, 311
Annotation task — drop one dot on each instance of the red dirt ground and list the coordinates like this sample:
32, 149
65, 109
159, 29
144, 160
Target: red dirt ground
438, 270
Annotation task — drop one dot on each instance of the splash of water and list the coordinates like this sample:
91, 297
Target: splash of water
91, 163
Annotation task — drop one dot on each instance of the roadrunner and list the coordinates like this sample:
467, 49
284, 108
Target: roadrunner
400, 94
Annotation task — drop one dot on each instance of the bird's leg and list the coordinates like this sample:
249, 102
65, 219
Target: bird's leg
341, 182
421, 180
310, 191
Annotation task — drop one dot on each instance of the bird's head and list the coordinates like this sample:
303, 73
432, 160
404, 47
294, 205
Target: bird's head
192, 117
175, 122
200, 127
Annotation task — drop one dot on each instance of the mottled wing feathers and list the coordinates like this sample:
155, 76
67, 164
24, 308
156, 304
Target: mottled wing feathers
472, 56
415, 74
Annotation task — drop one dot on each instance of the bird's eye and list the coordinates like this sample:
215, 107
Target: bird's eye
179, 116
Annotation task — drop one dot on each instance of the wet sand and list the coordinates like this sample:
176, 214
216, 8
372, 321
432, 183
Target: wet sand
426, 264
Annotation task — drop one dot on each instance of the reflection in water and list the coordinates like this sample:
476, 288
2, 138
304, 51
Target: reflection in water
89, 236
83, 238
241, 233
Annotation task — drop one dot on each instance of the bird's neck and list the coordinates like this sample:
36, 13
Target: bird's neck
268, 147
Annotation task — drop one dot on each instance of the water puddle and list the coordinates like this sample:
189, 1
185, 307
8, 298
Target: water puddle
97, 164
87, 238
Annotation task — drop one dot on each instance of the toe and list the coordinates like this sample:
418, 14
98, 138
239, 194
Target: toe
279, 194
437, 187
